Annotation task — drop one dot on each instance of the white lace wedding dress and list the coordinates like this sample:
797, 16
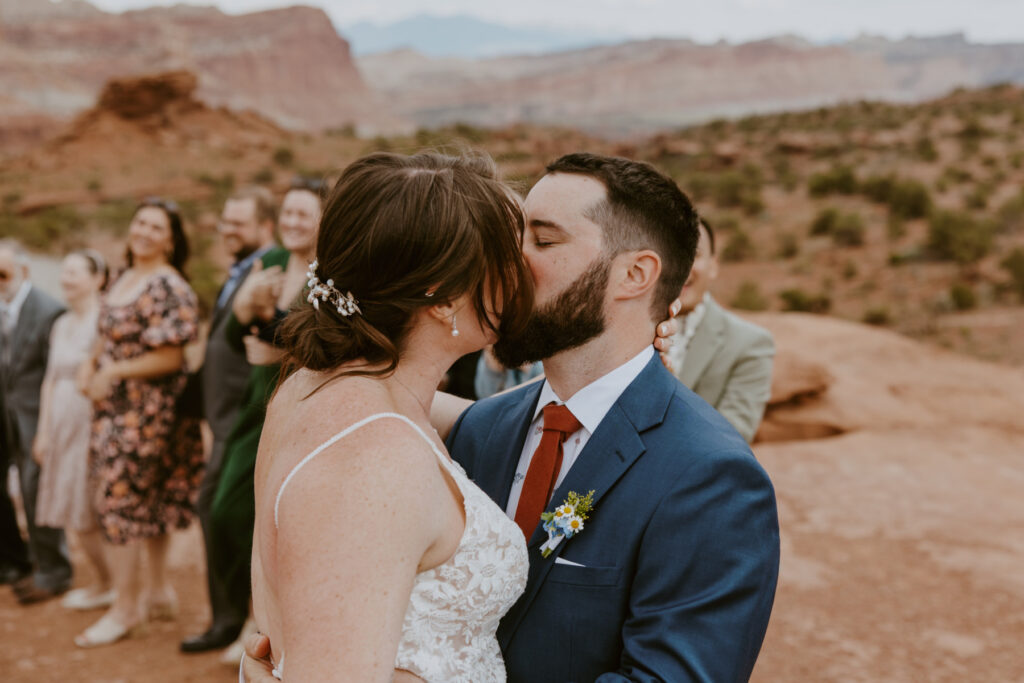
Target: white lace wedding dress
448, 635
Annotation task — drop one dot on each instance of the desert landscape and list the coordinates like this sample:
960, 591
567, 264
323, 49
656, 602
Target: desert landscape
875, 224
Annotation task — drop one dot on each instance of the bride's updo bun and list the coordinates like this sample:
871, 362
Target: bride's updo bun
396, 227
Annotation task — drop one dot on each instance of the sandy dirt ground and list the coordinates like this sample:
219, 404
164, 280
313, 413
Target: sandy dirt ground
902, 536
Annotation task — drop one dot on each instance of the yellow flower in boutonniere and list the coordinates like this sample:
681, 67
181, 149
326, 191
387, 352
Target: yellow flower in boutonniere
566, 520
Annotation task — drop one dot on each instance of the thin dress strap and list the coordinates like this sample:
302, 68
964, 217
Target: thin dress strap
341, 435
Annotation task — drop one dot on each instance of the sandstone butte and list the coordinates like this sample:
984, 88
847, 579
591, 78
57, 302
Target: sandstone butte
288, 64
900, 506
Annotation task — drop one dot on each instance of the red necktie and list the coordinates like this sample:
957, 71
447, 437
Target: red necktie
539, 484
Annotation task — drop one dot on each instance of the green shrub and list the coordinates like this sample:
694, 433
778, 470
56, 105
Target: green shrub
977, 199
895, 228
877, 316
849, 269
94, 185
909, 199
962, 296
799, 300
263, 176
1010, 216
848, 231
878, 188
837, 180
957, 236
748, 298
1013, 264
738, 190
825, 221
284, 156
925, 150
739, 248
789, 245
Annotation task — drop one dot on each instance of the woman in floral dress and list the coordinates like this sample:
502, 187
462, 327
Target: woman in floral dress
147, 458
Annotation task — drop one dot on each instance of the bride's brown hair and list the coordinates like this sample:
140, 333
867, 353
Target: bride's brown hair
396, 227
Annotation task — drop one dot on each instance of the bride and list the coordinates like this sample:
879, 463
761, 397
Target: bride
375, 558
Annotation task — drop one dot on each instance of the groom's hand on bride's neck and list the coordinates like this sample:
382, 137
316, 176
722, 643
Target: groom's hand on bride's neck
257, 666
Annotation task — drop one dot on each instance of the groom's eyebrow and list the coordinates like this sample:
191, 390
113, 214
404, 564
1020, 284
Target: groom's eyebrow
541, 223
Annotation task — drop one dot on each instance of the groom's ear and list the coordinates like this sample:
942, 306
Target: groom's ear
634, 274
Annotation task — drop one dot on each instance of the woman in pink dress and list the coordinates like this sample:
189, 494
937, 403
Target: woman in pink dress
61, 446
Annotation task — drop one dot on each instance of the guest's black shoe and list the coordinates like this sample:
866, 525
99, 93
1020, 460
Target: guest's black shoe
11, 575
32, 593
215, 638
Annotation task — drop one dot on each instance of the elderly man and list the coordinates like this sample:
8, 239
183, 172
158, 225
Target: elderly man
246, 228
724, 359
42, 569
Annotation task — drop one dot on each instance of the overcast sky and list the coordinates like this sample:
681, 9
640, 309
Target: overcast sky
702, 20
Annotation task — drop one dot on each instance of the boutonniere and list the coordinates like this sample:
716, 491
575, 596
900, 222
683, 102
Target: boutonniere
567, 520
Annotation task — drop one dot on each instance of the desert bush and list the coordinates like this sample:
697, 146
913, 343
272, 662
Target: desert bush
284, 156
1017, 160
739, 248
263, 176
878, 188
1013, 264
958, 236
895, 228
825, 221
115, 216
94, 185
977, 199
748, 297
909, 199
878, 315
45, 229
848, 231
1010, 216
849, 269
962, 296
738, 190
789, 245
837, 180
956, 176
798, 300
925, 150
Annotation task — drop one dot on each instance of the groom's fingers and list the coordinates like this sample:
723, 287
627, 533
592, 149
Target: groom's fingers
257, 646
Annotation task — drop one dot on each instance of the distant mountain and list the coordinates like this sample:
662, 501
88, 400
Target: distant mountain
464, 36
650, 85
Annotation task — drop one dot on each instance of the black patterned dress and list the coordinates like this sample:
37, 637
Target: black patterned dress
146, 459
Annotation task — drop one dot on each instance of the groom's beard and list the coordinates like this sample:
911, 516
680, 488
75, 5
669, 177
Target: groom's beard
571, 319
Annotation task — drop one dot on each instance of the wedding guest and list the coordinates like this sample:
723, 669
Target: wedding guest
147, 459
262, 301
492, 377
61, 446
724, 359
246, 230
41, 569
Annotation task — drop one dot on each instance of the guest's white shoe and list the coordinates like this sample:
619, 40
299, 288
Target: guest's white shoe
87, 599
108, 631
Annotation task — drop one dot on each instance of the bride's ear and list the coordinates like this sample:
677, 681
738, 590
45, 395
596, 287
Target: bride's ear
442, 312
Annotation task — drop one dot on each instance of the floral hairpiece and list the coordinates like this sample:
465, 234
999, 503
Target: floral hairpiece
325, 291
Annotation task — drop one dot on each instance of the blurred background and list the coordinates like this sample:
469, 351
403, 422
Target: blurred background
862, 164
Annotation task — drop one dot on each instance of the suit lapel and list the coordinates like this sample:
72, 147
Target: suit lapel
609, 453
710, 335
28, 318
221, 311
504, 446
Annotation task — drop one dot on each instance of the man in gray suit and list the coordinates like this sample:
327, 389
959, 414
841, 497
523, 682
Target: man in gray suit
42, 569
724, 359
246, 228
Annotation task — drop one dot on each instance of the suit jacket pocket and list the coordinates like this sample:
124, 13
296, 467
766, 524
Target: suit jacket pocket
584, 576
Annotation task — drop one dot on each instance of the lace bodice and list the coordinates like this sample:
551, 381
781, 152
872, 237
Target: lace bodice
448, 634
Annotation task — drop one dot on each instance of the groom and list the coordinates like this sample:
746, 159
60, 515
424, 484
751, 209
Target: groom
673, 575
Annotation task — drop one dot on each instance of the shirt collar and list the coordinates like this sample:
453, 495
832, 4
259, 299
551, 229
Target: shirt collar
239, 266
14, 307
591, 403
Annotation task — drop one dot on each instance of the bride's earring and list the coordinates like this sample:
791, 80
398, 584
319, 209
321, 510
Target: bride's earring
455, 330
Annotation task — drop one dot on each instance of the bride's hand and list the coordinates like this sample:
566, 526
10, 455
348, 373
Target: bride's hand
664, 332
257, 667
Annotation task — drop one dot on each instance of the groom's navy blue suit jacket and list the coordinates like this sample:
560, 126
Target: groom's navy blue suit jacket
680, 554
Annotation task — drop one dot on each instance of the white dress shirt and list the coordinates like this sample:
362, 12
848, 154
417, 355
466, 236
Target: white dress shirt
589, 405
13, 309
688, 328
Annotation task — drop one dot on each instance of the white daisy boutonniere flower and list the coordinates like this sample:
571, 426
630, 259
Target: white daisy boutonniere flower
566, 520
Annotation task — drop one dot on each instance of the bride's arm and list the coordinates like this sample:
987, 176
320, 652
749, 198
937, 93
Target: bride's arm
355, 523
